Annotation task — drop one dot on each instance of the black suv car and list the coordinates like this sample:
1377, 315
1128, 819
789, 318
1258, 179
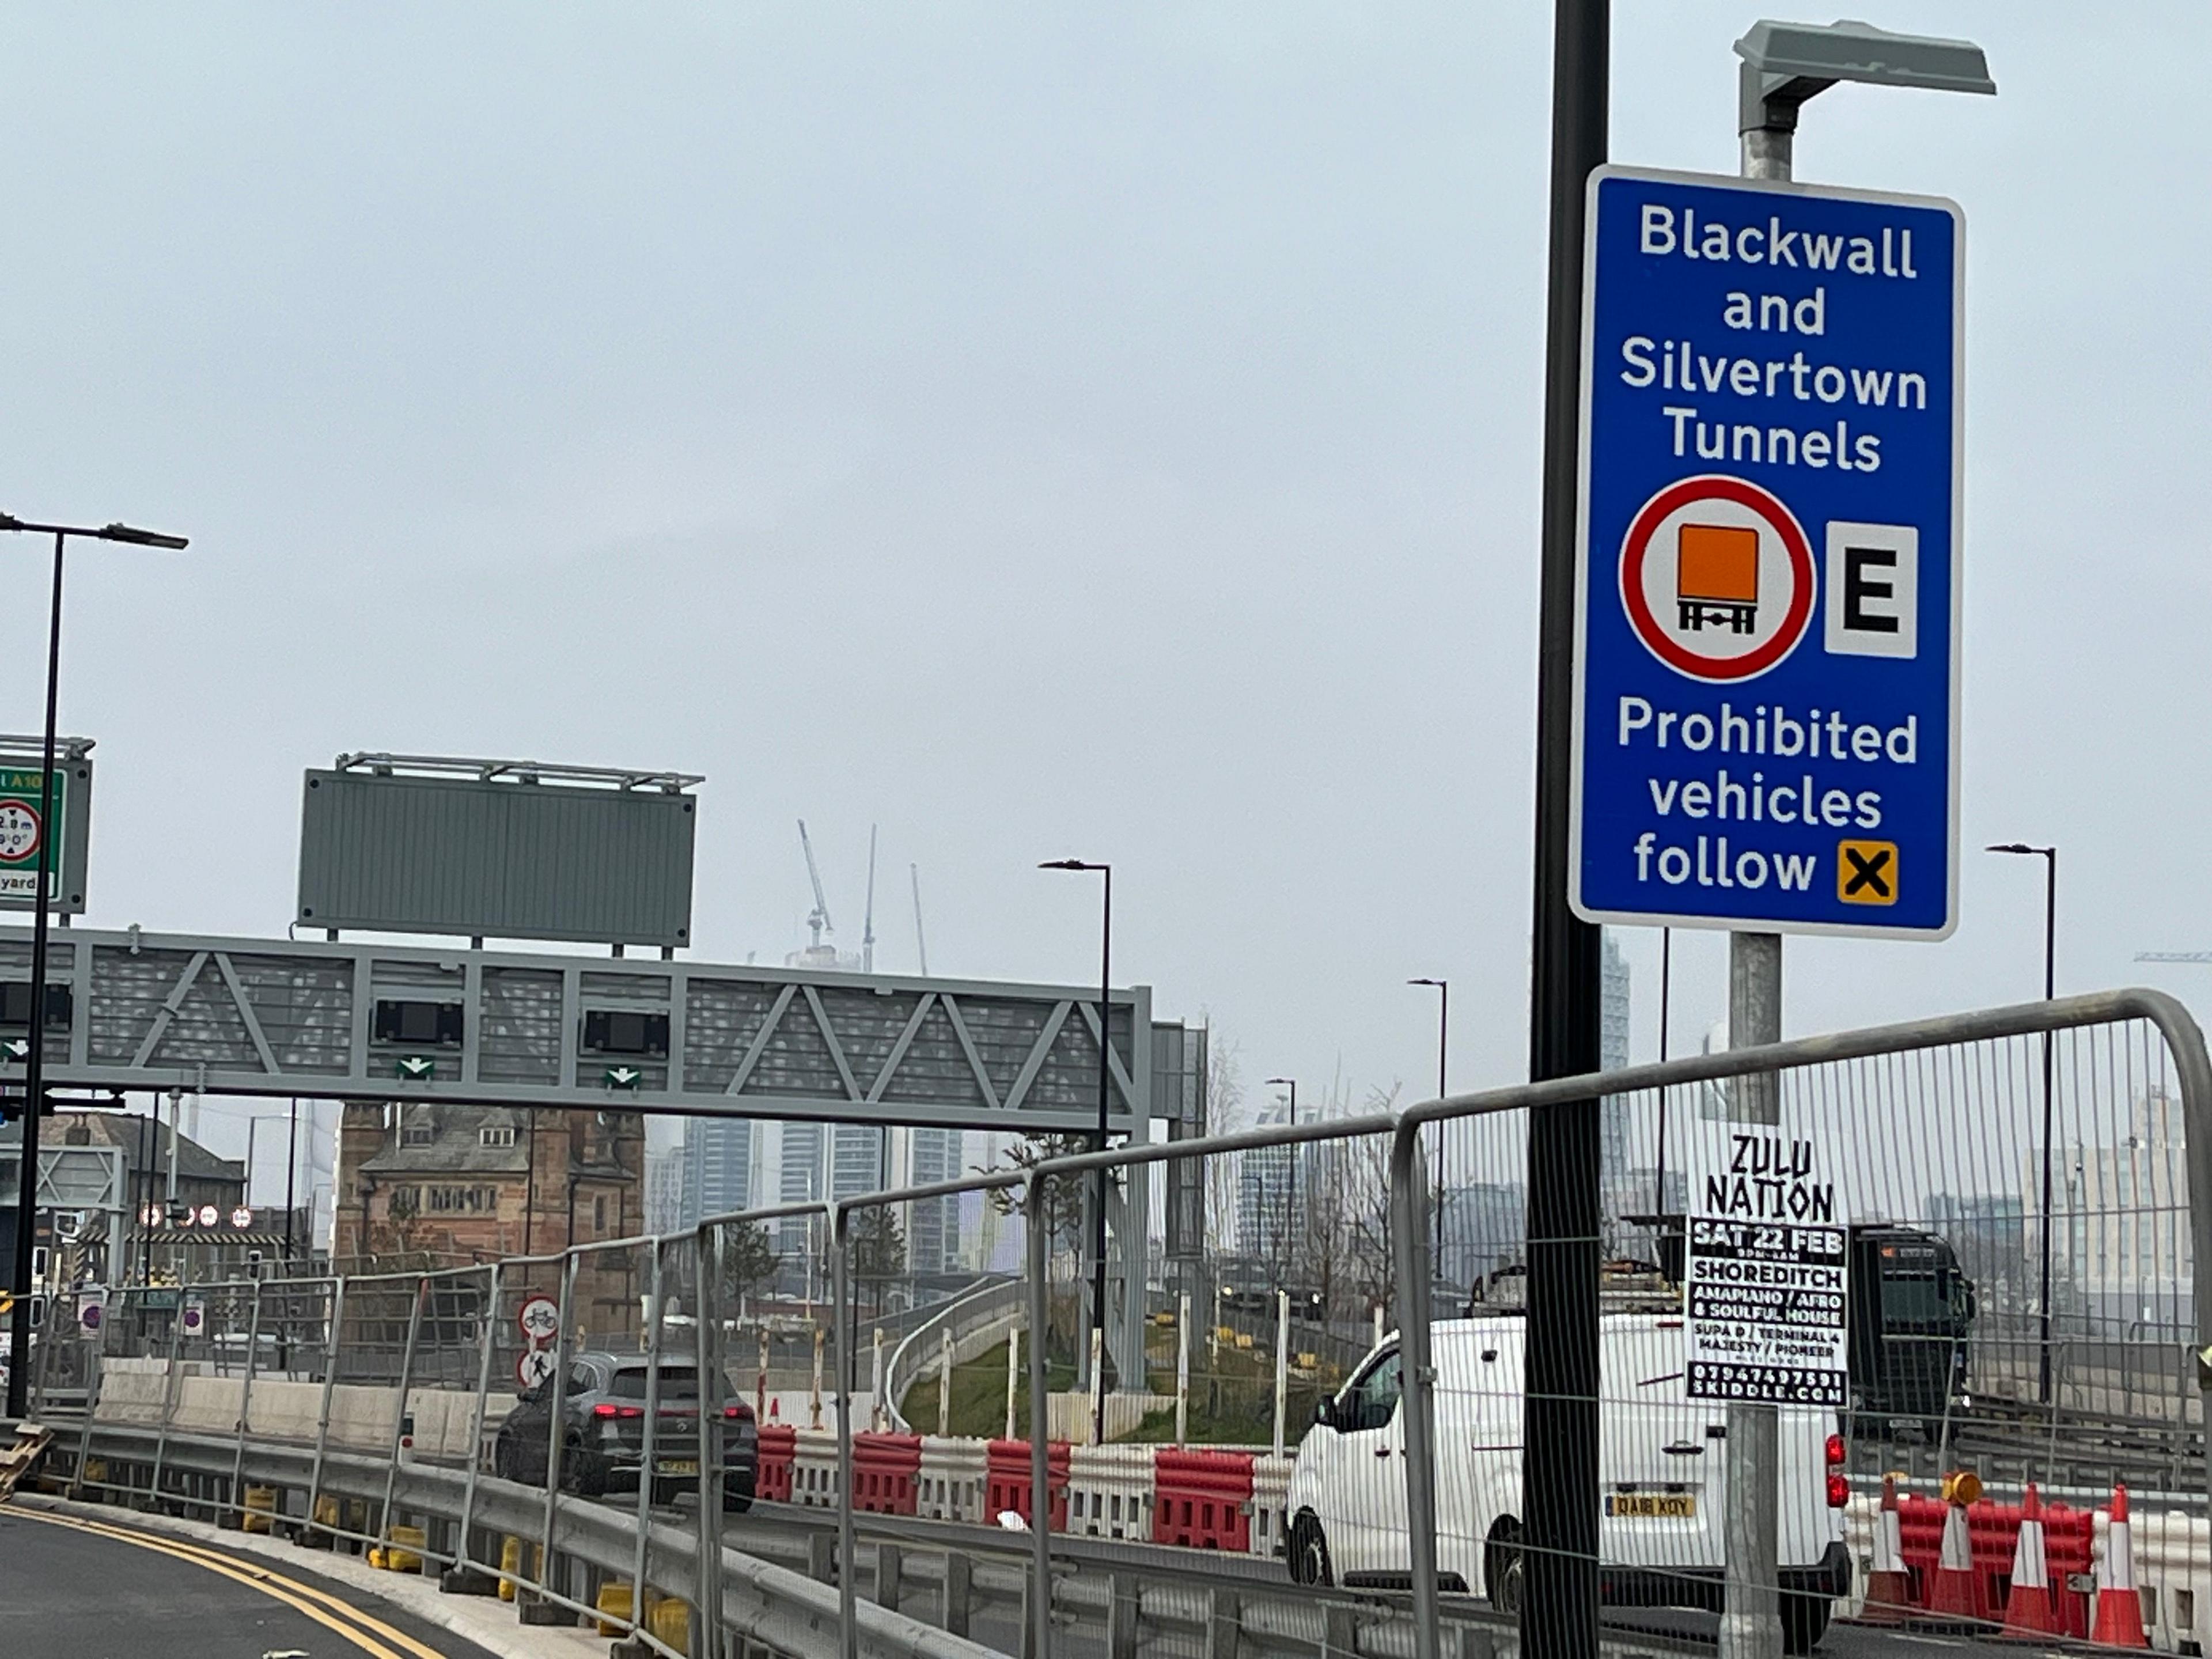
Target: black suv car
603, 1446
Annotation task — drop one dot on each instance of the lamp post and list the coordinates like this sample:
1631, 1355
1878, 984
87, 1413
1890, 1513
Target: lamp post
1784, 65
1290, 1209
2049, 857
291, 1172
1444, 1035
1098, 1232
1666, 1010
34, 1069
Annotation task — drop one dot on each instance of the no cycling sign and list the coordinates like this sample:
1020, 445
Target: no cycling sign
1765, 715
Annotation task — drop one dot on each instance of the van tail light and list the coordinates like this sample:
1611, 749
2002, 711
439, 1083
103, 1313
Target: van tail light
607, 1408
737, 1412
1839, 1491
1835, 1451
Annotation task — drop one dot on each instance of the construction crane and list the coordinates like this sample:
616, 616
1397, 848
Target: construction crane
818, 918
868, 920
921, 944
2173, 956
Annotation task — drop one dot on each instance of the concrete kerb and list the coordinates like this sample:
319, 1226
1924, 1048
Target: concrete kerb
490, 1625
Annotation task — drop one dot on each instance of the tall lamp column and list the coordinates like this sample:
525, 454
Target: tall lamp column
2049, 857
34, 1067
1105, 1082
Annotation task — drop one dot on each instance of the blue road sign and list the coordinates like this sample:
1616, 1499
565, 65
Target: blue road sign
1766, 688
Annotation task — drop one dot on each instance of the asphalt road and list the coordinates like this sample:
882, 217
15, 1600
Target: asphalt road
72, 1593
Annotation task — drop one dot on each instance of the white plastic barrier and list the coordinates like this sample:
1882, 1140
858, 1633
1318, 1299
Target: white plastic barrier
2173, 1568
1858, 1542
814, 1469
954, 1475
1271, 1501
1109, 1490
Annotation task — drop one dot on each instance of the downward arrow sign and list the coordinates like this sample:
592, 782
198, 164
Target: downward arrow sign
416, 1067
622, 1077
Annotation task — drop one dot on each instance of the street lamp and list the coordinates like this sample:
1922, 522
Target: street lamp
1098, 1233
1785, 63
34, 1068
2049, 857
1443, 1033
1291, 1209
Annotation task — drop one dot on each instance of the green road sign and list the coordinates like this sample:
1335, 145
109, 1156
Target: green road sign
22, 836
21, 830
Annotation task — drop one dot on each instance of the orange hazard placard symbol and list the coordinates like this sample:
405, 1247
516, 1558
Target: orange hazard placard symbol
1716, 576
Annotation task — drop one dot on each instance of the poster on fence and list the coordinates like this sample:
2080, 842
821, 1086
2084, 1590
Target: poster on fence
1767, 1269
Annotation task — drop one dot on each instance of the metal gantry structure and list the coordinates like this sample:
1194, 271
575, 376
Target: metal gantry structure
352, 1021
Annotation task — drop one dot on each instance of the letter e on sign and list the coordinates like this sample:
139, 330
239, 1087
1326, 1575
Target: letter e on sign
1873, 590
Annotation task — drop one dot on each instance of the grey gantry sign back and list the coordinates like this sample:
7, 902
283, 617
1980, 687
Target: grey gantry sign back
497, 849
339, 1020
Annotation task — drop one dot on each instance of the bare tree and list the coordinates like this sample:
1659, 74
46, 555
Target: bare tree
1224, 1114
1367, 1275
1061, 1208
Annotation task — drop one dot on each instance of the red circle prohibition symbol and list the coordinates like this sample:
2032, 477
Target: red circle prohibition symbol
38, 832
1637, 544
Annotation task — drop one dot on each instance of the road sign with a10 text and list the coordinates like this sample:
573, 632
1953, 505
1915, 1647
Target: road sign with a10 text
1767, 667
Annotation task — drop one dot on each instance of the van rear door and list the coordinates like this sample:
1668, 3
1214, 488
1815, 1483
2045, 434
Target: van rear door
1663, 1458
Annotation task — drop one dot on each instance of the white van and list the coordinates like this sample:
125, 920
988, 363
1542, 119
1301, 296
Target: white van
1662, 1458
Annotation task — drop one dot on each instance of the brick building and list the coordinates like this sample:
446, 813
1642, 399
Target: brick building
438, 1185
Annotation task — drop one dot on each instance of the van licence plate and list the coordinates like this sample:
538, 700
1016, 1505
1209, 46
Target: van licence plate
679, 1466
1652, 1506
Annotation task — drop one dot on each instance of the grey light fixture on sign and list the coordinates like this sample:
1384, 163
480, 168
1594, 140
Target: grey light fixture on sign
1785, 63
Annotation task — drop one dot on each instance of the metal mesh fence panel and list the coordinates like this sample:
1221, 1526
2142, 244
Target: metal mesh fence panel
1927, 1266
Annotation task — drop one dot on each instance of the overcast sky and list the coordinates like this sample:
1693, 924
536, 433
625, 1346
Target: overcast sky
1094, 429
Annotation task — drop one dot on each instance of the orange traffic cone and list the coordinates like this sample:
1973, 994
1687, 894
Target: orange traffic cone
1889, 1581
2119, 1609
2029, 1610
1951, 1586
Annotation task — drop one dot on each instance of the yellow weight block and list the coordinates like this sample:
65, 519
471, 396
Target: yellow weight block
613, 1602
669, 1620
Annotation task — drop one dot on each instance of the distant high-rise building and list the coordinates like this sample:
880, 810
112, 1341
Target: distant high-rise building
1485, 1228
1264, 1198
859, 1160
934, 1229
799, 1180
718, 1167
1615, 1137
664, 1183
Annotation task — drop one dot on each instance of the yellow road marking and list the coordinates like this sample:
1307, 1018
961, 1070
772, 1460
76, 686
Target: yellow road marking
301, 1597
